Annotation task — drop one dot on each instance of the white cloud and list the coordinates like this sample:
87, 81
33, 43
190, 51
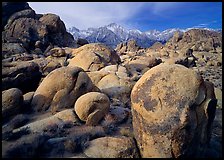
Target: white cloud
89, 14
95, 14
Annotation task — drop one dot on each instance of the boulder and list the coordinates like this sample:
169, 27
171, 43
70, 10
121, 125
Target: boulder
93, 57
57, 121
56, 52
34, 31
24, 75
116, 115
112, 147
130, 46
48, 64
67, 115
26, 31
57, 31
92, 107
9, 49
53, 23
12, 102
27, 13
140, 64
25, 147
16, 122
218, 94
73, 142
81, 42
196, 39
9, 8
114, 82
172, 109
60, 89
27, 100
116, 88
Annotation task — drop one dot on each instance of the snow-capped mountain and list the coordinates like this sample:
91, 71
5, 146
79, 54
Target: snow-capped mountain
113, 34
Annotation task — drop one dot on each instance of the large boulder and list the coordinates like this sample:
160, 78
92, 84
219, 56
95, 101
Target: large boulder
9, 49
92, 107
9, 8
112, 147
34, 31
60, 89
57, 31
197, 39
173, 109
141, 64
46, 65
25, 147
24, 75
80, 42
54, 121
26, 31
130, 46
12, 102
27, 13
53, 22
113, 80
93, 57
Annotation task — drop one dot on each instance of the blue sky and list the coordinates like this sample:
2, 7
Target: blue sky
135, 15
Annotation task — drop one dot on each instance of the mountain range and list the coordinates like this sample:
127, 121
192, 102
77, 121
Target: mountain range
113, 34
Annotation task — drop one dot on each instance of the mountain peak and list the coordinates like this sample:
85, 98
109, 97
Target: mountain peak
113, 33
112, 24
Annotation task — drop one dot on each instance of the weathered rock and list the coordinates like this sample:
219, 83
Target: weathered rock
12, 101
9, 8
57, 31
27, 31
119, 70
218, 94
27, 13
9, 49
24, 75
73, 142
130, 46
140, 63
94, 56
48, 64
67, 115
115, 88
56, 52
92, 107
172, 109
112, 147
114, 82
25, 147
157, 46
53, 23
60, 89
16, 122
57, 121
196, 39
27, 100
81, 42
116, 115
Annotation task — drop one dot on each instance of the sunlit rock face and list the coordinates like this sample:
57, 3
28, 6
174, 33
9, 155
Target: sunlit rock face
172, 108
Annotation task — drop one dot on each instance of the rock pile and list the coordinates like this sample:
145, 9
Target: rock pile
62, 98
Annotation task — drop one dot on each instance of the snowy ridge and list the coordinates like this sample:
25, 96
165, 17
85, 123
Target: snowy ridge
113, 34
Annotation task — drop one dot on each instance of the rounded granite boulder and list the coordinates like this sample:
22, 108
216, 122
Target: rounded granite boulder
60, 89
92, 107
12, 102
173, 109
